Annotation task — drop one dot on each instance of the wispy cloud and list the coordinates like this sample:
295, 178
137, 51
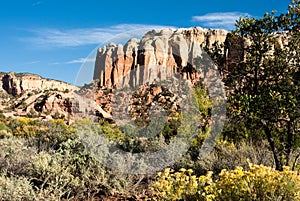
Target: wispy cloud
31, 62
76, 61
86, 36
81, 60
222, 20
37, 3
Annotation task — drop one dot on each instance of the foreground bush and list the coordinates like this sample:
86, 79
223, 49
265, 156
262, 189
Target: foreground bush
226, 155
258, 183
14, 155
14, 188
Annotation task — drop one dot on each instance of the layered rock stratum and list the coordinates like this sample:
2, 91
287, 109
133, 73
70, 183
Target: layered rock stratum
160, 53
29, 95
15, 84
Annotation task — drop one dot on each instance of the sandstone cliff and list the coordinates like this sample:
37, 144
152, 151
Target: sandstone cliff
158, 54
24, 94
15, 84
28, 95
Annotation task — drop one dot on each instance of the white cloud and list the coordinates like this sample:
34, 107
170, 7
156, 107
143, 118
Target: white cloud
81, 60
37, 3
86, 36
223, 20
76, 61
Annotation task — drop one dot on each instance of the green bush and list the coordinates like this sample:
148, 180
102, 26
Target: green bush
50, 135
4, 130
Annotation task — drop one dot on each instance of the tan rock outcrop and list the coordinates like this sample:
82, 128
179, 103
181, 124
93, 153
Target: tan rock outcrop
159, 54
28, 95
37, 97
14, 83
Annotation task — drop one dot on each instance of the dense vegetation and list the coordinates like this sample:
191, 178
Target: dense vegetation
255, 158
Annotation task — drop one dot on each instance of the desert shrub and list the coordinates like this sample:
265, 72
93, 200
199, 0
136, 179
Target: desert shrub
2, 116
3, 126
33, 114
102, 128
94, 177
51, 173
24, 127
258, 183
128, 138
5, 133
14, 155
16, 188
171, 126
111, 131
70, 172
99, 145
226, 155
181, 185
57, 115
4, 130
51, 134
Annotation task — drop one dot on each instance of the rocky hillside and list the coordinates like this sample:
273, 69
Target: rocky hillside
159, 53
16, 83
29, 95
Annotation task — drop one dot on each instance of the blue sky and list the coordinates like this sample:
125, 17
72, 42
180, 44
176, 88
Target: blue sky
57, 38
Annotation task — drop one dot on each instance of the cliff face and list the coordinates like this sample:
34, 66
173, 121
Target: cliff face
16, 83
158, 54
28, 95
33, 96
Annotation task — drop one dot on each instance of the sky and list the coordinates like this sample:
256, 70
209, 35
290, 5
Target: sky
58, 39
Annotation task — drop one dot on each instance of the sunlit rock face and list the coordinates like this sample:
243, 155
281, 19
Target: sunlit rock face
15, 84
158, 55
29, 95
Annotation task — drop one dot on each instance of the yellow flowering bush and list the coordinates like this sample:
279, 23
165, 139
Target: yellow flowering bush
24, 127
257, 183
180, 185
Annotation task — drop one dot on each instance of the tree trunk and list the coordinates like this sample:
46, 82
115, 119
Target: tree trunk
278, 162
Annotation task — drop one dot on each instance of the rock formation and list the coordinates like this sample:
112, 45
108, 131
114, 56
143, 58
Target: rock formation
14, 83
159, 54
28, 95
